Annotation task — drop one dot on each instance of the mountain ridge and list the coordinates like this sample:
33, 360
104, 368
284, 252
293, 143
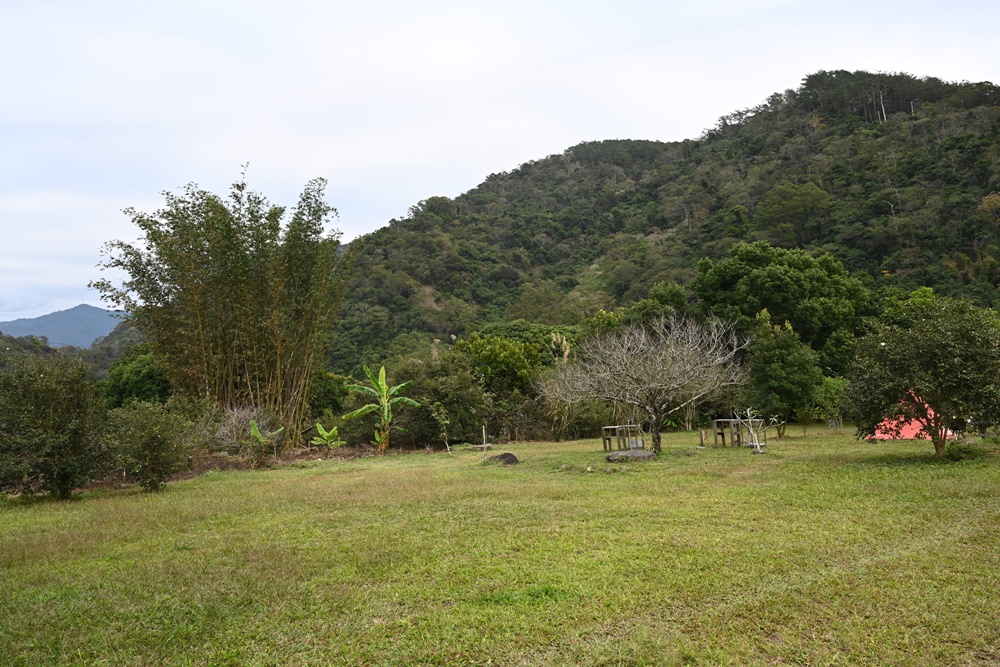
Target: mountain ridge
79, 326
890, 173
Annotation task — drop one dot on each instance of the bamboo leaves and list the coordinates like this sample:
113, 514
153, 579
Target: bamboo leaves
235, 302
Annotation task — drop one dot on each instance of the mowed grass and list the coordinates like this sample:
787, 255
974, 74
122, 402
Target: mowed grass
823, 551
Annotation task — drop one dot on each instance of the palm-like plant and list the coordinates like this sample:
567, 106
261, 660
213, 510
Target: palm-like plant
386, 398
328, 439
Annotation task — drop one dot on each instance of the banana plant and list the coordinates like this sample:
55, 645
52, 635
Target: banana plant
260, 442
386, 398
328, 439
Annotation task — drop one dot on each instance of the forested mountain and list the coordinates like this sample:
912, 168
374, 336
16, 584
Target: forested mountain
99, 356
894, 175
79, 326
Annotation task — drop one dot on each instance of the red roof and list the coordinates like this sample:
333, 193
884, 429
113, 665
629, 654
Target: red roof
908, 429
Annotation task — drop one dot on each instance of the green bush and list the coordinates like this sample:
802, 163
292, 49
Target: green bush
151, 441
328, 392
448, 391
50, 426
136, 376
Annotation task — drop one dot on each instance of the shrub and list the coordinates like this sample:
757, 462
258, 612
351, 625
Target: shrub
234, 434
136, 376
151, 441
50, 426
448, 383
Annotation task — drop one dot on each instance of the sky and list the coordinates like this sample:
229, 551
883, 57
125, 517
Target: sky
107, 104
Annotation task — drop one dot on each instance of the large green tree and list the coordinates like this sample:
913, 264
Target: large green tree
505, 368
816, 295
784, 374
453, 402
136, 376
234, 296
934, 360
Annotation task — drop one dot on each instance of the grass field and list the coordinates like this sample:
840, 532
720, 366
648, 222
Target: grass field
823, 551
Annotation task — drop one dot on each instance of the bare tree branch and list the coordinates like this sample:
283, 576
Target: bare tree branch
660, 368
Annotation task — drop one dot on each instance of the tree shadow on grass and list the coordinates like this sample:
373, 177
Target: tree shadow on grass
956, 453
33, 499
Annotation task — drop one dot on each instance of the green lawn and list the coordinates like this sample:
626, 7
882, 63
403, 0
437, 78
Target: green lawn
823, 551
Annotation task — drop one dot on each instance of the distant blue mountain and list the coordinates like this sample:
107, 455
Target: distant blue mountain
79, 326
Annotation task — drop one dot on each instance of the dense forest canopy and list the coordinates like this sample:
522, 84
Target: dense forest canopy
890, 174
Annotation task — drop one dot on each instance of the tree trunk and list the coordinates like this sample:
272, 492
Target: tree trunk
938, 431
689, 412
655, 423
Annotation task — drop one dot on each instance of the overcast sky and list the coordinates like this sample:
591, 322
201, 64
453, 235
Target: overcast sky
106, 104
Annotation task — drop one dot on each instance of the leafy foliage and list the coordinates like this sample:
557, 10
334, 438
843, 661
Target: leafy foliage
261, 443
934, 360
150, 441
552, 342
784, 374
448, 390
136, 376
234, 302
816, 295
107, 350
505, 365
327, 439
328, 392
13, 347
832, 401
386, 399
505, 368
50, 426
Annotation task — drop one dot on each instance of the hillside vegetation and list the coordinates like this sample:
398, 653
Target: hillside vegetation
806, 223
893, 175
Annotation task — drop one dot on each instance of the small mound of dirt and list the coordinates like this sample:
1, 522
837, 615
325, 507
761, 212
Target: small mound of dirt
506, 458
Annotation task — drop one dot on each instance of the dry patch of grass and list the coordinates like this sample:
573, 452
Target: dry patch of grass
824, 551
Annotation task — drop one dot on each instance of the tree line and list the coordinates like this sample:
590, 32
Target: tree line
520, 312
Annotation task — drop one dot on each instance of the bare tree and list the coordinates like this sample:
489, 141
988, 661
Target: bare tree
660, 368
